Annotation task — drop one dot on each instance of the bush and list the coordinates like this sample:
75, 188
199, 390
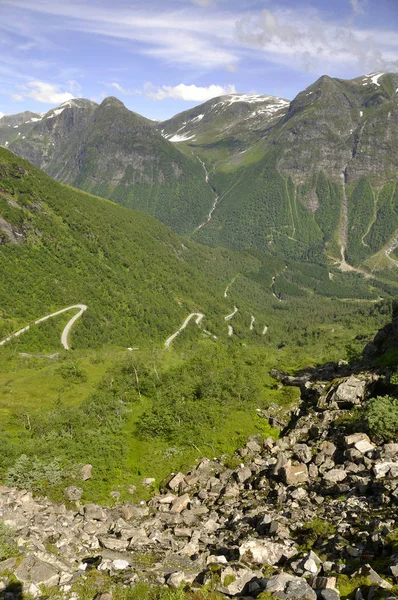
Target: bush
381, 417
34, 474
8, 546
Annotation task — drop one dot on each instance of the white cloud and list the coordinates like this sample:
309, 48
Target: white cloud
204, 2
358, 6
1, 115
306, 42
120, 88
47, 93
189, 93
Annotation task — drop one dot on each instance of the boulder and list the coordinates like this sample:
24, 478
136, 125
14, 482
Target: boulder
303, 453
234, 581
73, 493
243, 474
295, 474
180, 503
86, 472
261, 552
335, 475
179, 577
175, 482
33, 570
94, 512
351, 391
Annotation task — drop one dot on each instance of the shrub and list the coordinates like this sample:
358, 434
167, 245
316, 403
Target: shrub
8, 546
34, 474
381, 417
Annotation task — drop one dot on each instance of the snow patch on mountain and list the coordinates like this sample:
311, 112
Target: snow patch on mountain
180, 138
373, 78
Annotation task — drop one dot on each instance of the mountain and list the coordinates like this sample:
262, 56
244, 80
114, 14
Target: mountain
311, 180
224, 128
325, 185
115, 153
13, 126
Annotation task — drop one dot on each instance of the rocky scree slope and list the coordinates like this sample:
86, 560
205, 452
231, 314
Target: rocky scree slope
117, 154
309, 516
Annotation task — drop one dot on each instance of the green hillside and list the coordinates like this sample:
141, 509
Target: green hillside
145, 412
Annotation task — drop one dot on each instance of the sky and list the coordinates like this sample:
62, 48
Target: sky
164, 56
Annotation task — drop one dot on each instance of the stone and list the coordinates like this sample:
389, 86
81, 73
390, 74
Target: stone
312, 563
364, 446
233, 582
393, 569
114, 543
38, 572
277, 583
94, 512
261, 552
253, 447
175, 482
73, 493
182, 532
179, 577
328, 448
381, 469
350, 391
243, 474
8, 564
86, 472
303, 453
354, 438
119, 564
148, 481
374, 578
180, 503
390, 450
298, 589
329, 594
335, 475
295, 474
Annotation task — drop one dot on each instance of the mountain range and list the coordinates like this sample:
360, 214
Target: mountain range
313, 179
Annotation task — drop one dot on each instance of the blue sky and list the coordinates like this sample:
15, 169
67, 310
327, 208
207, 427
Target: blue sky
163, 56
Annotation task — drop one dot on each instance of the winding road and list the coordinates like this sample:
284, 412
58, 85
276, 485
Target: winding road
199, 317
65, 334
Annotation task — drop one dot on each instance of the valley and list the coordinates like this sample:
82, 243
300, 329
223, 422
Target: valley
209, 285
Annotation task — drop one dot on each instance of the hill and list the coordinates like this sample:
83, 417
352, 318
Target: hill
115, 153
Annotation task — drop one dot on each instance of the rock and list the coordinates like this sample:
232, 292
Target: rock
312, 563
148, 481
180, 503
261, 552
299, 588
175, 482
243, 474
329, 594
364, 446
381, 469
390, 450
86, 472
182, 532
38, 572
328, 448
393, 569
120, 564
233, 582
335, 475
374, 578
179, 577
114, 543
253, 447
354, 438
94, 512
351, 391
73, 493
303, 453
277, 583
295, 474
7, 565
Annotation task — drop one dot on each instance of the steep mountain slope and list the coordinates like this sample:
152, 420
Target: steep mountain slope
13, 126
326, 183
223, 129
115, 153
60, 247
